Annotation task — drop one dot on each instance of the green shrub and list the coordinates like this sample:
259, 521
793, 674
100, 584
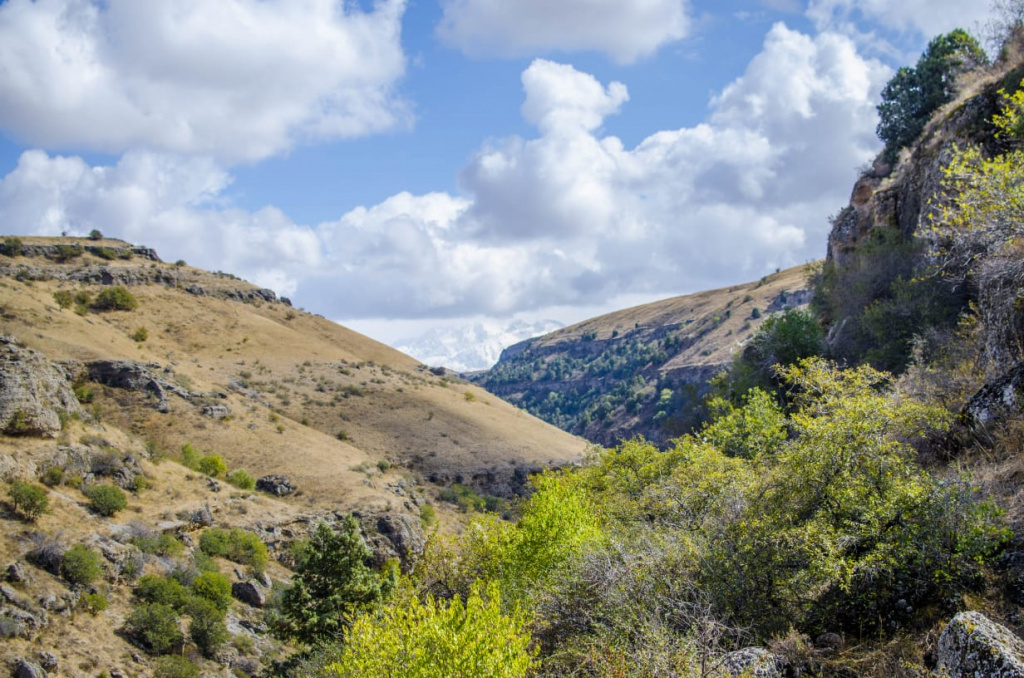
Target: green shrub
155, 627
115, 299
63, 299
214, 587
428, 515
93, 603
140, 335
106, 500
153, 588
67, 252
241, 479
236, 545
161, 545
212, 465
52, 476
28, 499
437, 639
12, 247
95, 234
206, 627
175, 667
81, 565
190, 456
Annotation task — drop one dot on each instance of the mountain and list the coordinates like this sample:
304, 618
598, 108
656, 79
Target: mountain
638, 371
112, 360
470, 348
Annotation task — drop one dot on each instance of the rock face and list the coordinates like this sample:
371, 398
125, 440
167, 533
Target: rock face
973, 646
33, 392
135, 376
404, 533
27, 669
999, 398
250, 593
754, 662
276, 485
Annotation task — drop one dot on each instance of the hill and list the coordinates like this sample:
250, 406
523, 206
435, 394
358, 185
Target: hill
641, 370
211, 361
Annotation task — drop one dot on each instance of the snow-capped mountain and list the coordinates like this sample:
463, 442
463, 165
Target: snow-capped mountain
468, 348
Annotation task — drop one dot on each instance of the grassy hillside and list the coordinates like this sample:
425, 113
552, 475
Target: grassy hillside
352, 424
641, 370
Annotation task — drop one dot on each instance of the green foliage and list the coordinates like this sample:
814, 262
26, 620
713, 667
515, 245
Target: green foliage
913, 94
190, 456
18, 424
781, 340
63, 299
162, 544
757, 427
140, 334
31, 501
428, 515
241, 479
236, 545
214, 587
116, 298
166, 591
155, 627
95, 234
463, 496
438, 639
93, 603
52, 476
65, 253
332, 582
106, 500
173, 666
212, 465
206, 626
81, 565
12, 247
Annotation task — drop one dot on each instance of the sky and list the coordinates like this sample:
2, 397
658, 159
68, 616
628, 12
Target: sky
396, 165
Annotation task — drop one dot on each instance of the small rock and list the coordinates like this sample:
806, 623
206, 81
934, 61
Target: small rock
49, 661
200, 517
216, 411
973, 646
277, 485
27, 669
213, 485
16, 573
829, 641
751, 661
250, 593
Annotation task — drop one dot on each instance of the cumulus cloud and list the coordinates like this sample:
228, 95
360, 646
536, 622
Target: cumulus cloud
568, 217
926, 17
237, 79
625, 30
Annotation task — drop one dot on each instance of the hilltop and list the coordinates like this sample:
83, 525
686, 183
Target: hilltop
641, 370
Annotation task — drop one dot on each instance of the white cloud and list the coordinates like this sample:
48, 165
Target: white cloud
237, 79
625, 30
926, 17
569, 217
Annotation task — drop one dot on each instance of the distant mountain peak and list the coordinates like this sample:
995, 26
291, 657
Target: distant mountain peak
474, 346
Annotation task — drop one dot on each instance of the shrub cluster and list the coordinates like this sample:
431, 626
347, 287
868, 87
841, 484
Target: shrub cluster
236, 545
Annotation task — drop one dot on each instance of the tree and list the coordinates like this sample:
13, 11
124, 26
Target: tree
95, 234
913, 94
63, 299
28, 499
155, 627
331, 584
207, 628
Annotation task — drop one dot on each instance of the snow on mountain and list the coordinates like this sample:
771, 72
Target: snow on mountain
468, 348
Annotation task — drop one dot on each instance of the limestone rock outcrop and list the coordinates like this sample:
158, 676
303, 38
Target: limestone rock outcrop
973, 646
34, 392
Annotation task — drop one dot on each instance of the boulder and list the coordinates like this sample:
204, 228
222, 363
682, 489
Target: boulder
973, 646
34, 392
404, 533
16, 573
753, 662
200, 517
249, 592
135, 376
216, 411
27, 669
276, 485
49, 661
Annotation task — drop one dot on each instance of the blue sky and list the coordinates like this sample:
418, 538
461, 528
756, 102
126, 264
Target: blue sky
400, 165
